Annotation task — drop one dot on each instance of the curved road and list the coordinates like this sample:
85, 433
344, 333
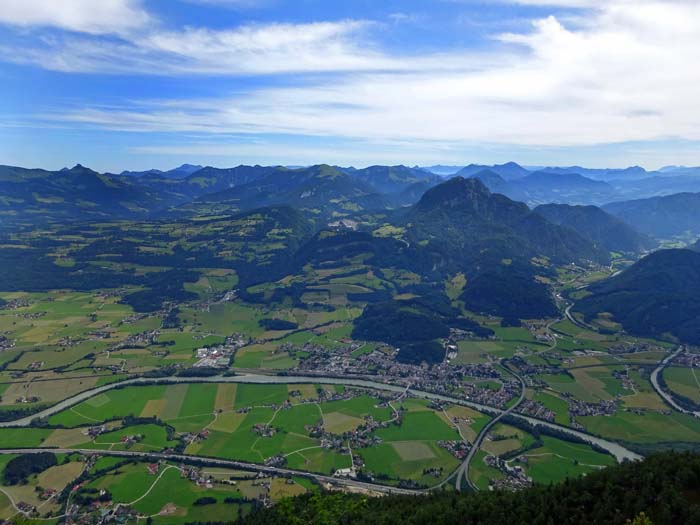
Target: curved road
615, 449
665, 395
463, 471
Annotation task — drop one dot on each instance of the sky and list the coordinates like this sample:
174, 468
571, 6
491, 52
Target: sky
140, 84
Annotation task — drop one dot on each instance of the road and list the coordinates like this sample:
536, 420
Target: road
615, 449
665, 395
570, 317
463, 470
212, 462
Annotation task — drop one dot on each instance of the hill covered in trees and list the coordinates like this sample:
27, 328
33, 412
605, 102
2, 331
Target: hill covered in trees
656, 296
597, 225
661, 216
663, 489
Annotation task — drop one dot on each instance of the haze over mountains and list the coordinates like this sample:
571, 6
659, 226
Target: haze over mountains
648, 201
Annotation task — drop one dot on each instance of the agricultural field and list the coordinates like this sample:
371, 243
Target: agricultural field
684, 381
235, 299
165, 492
39, 492
539, 459
645, 426
314, 428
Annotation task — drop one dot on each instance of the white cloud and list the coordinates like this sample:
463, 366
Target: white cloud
628, 74
87, 16
248, 49
625, 71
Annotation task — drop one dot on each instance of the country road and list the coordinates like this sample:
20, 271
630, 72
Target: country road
463, 470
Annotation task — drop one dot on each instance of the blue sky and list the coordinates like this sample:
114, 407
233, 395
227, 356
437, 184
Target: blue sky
135, 84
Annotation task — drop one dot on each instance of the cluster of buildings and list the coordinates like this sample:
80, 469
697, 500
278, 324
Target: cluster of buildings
583, 408
93, 432
264, 430
220, 356
458, 449
530, 407
381, 364
5, 342
515, 477
147, 338
687, 360
131, 439
196, 437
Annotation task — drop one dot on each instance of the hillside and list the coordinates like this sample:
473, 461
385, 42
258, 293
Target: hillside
393, 179
508, 171
464, 220
661, 217
664, 488
322, 190
571, 188
631, 173
656, 296
545, 187
460, 226
36, 196
595, 224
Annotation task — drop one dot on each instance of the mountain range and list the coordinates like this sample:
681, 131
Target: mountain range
29, 196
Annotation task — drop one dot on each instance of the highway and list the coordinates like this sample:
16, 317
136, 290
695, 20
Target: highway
615, 449
463, 470
212, 462
665, 395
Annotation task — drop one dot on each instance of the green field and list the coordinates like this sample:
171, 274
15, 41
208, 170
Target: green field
650, 427
684, 381
557, 460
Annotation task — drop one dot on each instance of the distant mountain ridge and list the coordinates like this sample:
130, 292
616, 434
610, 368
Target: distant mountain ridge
661, 216
542, 187
36, 194
39, 196
509, 170
595, 224
180, 172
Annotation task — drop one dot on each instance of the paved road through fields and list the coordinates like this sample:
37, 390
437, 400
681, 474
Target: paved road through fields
615, 449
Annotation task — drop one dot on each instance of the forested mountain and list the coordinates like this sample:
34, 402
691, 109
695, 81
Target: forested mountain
36, 196
544, 187
595, 224
508, 171
463, 220
606, 174
80, 193
320, 189
661, 490
181, 172
656, 296
460, 226
393, 179
661, 216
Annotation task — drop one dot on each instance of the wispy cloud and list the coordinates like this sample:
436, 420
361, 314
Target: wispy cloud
624, 71
86, 16
626, 75
248, 49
